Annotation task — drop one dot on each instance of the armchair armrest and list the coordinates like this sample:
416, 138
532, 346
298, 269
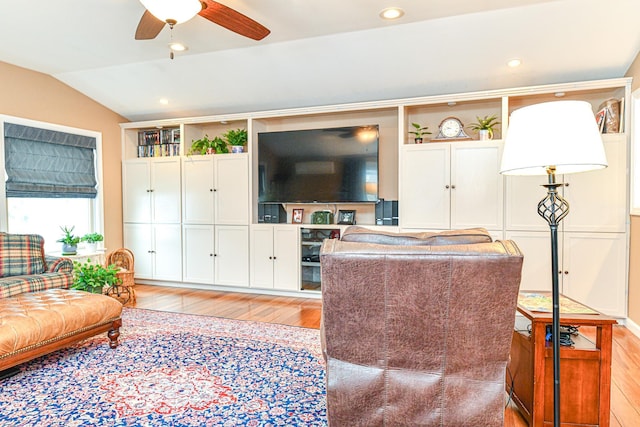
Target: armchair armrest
58, 264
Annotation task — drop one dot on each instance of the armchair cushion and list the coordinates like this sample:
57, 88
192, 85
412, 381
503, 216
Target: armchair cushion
448, 237
22, 254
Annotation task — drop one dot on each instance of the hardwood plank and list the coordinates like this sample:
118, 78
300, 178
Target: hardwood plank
305, 312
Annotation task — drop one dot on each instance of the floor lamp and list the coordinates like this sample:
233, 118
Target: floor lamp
552, 138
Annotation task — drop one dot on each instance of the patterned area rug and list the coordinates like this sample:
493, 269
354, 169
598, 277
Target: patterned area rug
175, 370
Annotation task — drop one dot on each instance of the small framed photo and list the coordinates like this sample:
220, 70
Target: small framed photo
296, 217
346, 217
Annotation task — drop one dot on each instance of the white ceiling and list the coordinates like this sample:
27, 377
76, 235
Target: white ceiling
319, 51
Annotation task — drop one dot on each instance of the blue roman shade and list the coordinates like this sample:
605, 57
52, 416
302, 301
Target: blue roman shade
46, 164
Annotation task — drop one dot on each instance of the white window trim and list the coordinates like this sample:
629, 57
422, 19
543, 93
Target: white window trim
97, 220
635, 153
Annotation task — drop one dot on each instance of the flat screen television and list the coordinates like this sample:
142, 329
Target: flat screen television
336, 165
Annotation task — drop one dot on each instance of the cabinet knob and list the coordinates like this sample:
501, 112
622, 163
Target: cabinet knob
215, 189
151, 191
210, 254
566, 184
211, 189
566, 272
274, 257
270, 257
453, 187
446, 186
215, 254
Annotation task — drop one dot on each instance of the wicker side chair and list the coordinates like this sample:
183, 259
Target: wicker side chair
123, 259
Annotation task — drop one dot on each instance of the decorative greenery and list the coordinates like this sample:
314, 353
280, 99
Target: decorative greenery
69, 238
92, 277
92, 238
201, 145
419, 130
236, 137
485, 123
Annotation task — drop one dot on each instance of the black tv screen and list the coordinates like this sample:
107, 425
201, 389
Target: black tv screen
337, 165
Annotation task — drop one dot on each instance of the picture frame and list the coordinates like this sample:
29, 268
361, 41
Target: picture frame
296, 216
346, 217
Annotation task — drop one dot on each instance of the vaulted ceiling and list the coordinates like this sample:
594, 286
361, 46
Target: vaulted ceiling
319, 51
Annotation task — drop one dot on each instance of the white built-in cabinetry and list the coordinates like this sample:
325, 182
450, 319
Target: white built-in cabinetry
451, 185
215, 217
151, 212
275, 257
205, 207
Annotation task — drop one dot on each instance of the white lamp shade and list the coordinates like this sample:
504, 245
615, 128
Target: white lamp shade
563, 134
178, 10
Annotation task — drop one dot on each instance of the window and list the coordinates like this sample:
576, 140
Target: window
51, 175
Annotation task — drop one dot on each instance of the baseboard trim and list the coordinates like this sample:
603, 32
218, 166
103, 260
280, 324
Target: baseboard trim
633, 327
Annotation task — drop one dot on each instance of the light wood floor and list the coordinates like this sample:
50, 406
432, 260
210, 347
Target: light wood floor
625, 390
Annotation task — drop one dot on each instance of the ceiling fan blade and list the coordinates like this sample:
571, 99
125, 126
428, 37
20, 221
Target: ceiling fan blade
233, 20
148, 27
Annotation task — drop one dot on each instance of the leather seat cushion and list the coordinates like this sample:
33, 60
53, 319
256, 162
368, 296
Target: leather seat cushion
34, 318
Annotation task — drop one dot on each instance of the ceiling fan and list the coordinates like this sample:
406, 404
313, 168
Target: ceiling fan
172, 12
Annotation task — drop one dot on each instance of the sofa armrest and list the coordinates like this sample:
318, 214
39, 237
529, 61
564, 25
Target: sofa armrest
58, 264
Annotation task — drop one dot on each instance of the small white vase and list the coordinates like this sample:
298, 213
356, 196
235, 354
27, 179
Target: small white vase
484, 134
237, 148
91, 247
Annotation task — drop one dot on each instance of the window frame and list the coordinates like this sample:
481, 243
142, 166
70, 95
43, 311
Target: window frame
97, 210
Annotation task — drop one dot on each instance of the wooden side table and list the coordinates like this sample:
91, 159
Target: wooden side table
585, 367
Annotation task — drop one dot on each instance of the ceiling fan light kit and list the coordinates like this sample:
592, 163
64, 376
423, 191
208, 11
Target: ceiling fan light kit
171, 11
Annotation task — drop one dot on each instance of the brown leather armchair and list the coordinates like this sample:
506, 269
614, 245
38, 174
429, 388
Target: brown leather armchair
418, 334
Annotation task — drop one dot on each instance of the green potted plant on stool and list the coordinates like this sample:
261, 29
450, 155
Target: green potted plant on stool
484, 126
94, 278
237, 139
418, 132
69, 241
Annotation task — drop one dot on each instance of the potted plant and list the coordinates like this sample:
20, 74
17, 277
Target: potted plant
69, 241
237, 139
92, 240
205, 145
92, 277
484, 126
418, 132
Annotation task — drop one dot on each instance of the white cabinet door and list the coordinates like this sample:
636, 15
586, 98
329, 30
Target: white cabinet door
232, 189
598, 198
197, 190
594, 266
136, 196
425, 186
137, 238
165, 190
476, 185
198, 248
286, 275
157, 250
167, 252
522, 195
231, 255
151, 190
262, 264
536, 266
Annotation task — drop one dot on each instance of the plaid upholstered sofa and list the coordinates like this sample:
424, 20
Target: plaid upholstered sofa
24, 267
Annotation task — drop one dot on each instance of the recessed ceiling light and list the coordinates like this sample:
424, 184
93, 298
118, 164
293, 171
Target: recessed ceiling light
391, 13
178, 47
514, 63
164, 101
